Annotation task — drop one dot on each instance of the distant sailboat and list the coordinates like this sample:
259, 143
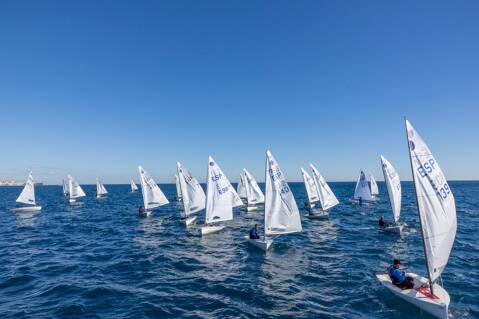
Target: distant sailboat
437, 219
362, 193
393, 184
373, 185
193, 196
327, 198
100, 189
179, 195
153, 197
254, 195
27, 197
281, 214
220, 199
241, 188
311, 190
64, 187
74, 190
134, 188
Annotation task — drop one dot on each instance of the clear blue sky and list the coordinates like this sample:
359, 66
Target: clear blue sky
95, 88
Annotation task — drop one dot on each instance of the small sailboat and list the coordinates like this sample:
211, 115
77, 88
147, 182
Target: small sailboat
74, 190
241, 188
437, 219
64, 187
179, 195
362, 193
373, 185
134, 188
393, 184
153, 197
192, 194
311, 190
281, 214
100, 189
254, 195
221, 197
327, 198
27, 197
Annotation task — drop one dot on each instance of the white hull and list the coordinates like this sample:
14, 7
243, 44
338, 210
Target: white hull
27, 209
72, 200
190, 221
263, 244
205, 230
100, 196
436, 305
318, 214
251, 208
397, 229
356, 201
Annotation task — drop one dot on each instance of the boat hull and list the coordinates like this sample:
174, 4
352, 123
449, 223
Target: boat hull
27, 209
396, 229
263, 244
251, 208
437, 305
318, 214
205, 230
190, 221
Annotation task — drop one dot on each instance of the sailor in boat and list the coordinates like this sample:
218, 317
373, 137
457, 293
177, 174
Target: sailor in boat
398, 277
307, 205
382, 222
360, 200
141, 210
253, 233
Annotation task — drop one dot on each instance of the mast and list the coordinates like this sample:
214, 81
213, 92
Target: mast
265, 192
418, 211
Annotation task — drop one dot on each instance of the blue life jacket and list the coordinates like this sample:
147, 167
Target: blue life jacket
253, 234
396, 275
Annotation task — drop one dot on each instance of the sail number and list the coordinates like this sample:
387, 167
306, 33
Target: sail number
425, 170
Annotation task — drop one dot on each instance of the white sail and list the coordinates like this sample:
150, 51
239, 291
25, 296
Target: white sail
193, 195
281, 214
326, 195
27, 196
74, 189
311, 190
362, 188
179, 195
393, 184
219, 195
100, 188
241, 188
152, 195
436, 204
374, 185
254, 195
134, 188
65, 187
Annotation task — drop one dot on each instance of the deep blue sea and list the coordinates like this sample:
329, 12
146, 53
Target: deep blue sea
101, 260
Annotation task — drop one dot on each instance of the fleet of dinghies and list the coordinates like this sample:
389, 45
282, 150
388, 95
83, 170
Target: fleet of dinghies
435, 205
